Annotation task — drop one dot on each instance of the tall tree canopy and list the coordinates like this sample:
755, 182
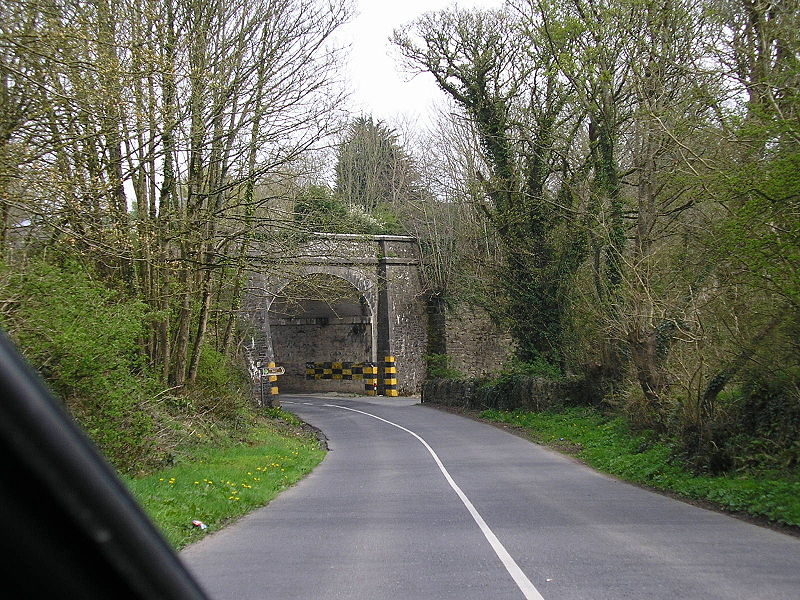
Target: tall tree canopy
483, 61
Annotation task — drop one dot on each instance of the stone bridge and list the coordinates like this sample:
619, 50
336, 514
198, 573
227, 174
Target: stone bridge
341, 298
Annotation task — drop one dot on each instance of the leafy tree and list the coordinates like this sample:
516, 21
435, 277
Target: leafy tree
638, 165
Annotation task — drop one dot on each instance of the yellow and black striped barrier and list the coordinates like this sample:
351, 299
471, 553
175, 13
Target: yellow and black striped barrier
371, 379
390, 376
346, 371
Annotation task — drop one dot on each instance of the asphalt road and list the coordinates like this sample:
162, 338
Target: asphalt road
495, 518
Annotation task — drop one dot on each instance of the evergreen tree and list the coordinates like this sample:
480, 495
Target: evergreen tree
372, 167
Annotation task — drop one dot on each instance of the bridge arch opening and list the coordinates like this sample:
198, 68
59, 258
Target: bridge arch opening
321, 317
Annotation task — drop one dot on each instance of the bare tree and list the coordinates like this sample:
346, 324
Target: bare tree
156, 122
484, 62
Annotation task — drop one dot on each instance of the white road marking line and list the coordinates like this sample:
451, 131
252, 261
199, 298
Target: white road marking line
523, 583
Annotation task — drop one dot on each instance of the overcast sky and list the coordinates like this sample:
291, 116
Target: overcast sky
377, 84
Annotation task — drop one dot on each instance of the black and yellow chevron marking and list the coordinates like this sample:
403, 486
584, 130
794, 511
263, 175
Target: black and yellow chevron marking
390, 376
346, 371
349, 371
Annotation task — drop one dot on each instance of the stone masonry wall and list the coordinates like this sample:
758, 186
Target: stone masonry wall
337, 341
476, 345
512, 393
409, 330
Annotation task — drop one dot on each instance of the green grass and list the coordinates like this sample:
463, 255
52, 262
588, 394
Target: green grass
219, 485
609, 446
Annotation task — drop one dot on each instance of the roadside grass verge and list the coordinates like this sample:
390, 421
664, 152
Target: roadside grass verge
217, 485
608, 445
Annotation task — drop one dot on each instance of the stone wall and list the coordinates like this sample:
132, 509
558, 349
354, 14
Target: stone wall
407, 319
513, 392
526, 393
475, 344
295, 344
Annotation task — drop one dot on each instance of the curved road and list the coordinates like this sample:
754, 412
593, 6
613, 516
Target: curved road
415, 503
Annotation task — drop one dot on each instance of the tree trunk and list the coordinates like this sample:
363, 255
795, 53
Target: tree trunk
717, 383
202, 326
181, 346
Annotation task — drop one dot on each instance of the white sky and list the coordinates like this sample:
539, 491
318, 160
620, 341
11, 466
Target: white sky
378, 85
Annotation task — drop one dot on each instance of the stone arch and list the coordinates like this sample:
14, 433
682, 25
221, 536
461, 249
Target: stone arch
320, 330
361, 281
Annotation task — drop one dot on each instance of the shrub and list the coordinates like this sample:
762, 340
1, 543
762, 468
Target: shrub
84, 340
221, 390
438, 367
539, 367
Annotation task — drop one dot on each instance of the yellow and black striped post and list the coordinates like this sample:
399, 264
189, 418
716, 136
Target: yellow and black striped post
370, 379
390, 376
